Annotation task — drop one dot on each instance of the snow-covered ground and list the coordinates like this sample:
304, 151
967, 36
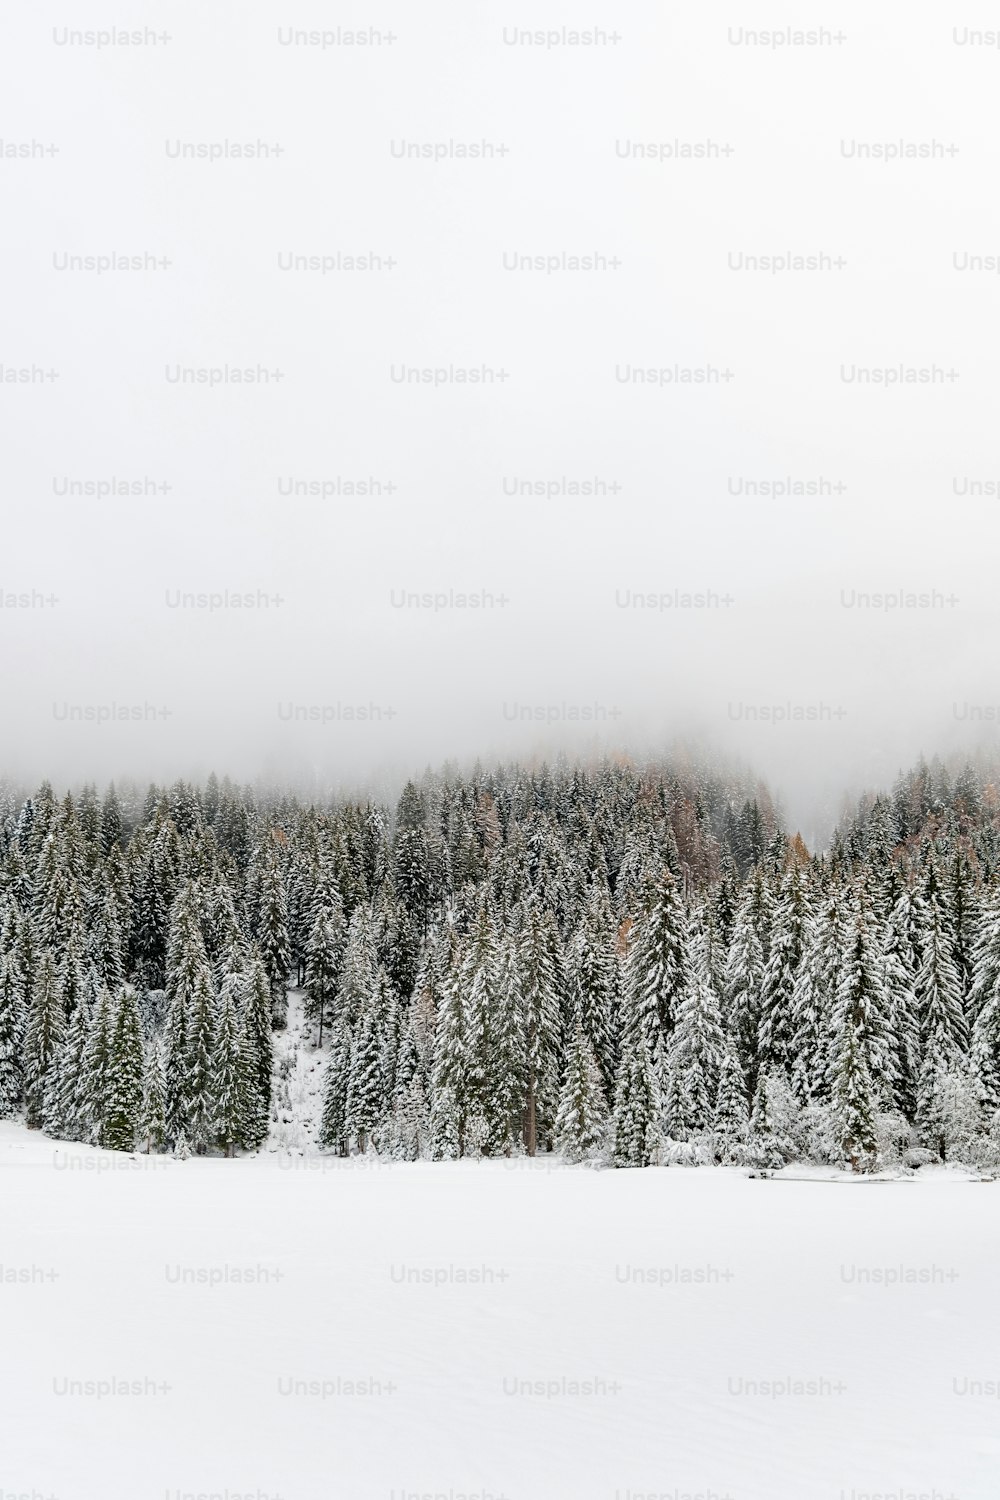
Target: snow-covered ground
517, 1329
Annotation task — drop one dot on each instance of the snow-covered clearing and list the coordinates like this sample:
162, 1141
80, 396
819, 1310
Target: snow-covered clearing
644, 1304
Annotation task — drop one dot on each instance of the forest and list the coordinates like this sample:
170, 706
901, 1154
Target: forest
625, 964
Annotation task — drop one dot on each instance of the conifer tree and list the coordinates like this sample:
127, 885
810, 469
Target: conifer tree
731, 1122
259, 1043
450, 1069
228, 1083
696, 1047
323, 960
637, 1105
581, 1121
66, 1109
97, 1067
745, 967
272, 938
365, 1090
337, 1077
153, 1120
198, 1100
856, 1046
43, 1032
775, 1042
124, 1103
541, 1019
656, 964
943, 1029
11, 1030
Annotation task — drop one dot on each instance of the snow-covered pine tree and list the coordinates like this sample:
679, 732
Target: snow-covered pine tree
96, 1095
367, 1100
336, 1082
198, 1104
943, 1028
854, 1049
228, 1082
272, 936
324, 953
44, 1027
66, 1110
745, 967
507, 1055
656, 964
541, 1018
153, 1119
696, 1047
258, 1043
125, 1070
11, 1033
592, 977
775, 1040
635, 1124
451, 1067
731, 1121
582, 1117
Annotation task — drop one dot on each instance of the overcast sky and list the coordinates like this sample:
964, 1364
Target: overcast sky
786, 141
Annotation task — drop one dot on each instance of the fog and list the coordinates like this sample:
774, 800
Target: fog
865, 382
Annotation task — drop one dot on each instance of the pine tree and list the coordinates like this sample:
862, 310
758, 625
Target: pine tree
450, 1068
121, 1120
66, 1110
366, 1091
96, 1100
323, 959
731, 1122
943, 1030
581, 1121
507, 1057
637, 1105
43, 1032
228, 1083
153, 1120
656, 965
541, 1019
855, 1048
11, 1031
254, 1103
775, 1042
592, 974
745, 967
697, 1046
272, 938
337, 1078
258, 1044
198, 1102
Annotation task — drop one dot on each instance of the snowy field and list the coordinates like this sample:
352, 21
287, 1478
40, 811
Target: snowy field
490, 1329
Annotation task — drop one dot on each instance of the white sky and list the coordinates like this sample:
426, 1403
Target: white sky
902, 679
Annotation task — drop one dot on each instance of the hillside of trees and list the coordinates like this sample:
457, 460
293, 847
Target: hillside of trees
629, 965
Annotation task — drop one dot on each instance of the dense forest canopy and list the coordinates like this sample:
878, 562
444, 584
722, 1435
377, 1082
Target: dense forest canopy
628, 963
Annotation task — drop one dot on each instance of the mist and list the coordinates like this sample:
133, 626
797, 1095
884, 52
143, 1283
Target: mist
594, 464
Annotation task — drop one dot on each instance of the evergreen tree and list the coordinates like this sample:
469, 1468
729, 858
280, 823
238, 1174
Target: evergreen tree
637, 1105
337, 1078
43, 1032
323, 959
153, 1120
229, 1084
272, 938
697, 1047
125, 1075
581, 1121
96, 1101
11, 1030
